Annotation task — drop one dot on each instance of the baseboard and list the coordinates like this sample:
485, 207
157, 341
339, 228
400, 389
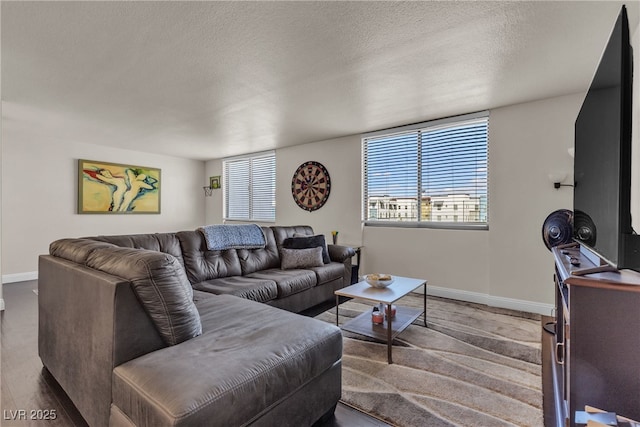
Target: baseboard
521, 305
493, 301
20, 277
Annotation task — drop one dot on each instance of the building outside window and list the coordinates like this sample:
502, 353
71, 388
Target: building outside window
440, 164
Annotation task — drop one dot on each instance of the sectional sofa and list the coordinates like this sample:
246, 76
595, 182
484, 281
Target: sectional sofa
156, 329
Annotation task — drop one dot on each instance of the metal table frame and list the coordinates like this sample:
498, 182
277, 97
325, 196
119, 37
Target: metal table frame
388, 330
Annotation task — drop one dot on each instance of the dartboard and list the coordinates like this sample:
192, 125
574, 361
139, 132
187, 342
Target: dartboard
311, 186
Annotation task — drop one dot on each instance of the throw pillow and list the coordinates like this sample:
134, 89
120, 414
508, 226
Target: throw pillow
301, 258
307, 242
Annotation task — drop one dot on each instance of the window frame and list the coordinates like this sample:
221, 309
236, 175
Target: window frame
419, 222
251, 158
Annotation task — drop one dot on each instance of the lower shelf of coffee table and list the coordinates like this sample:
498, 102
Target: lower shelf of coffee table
364, 326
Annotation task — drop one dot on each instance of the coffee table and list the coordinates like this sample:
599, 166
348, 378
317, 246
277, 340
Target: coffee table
386, 331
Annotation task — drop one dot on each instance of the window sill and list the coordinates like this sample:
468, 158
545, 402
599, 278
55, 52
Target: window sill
433, 225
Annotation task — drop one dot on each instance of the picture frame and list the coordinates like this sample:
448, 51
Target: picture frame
117, 188
214, 182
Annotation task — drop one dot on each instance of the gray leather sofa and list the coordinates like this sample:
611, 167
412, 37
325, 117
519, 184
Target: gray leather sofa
155, 330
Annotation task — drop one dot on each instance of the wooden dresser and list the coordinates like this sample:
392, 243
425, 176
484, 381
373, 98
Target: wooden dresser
596, 357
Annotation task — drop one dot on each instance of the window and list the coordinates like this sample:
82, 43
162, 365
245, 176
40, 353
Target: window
438, 166
250, 187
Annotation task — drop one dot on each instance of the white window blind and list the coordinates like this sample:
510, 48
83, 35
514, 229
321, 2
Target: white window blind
250, 187
432, 174
391, 174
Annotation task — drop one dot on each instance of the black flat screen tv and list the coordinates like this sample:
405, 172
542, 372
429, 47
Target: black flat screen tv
602, 162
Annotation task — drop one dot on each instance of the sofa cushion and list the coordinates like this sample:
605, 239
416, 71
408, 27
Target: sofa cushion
76, 250
160, 284
161, 242
283, 232
252, 260
306, 242
202, 264
256, 289
288, 281
328, 272
301, 258
231, 375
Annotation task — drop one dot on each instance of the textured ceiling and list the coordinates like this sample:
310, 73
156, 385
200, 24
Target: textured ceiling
206, 80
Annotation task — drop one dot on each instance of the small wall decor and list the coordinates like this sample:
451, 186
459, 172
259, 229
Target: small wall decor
117, 188
310, 186
214, 182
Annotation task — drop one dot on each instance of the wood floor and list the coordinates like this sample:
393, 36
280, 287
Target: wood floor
547, 376
26, 386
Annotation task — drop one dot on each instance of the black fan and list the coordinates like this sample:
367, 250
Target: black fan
585, 229
557, 229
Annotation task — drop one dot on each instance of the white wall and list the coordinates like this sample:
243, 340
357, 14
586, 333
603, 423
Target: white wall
341, 212
1, 125
39, 197
507, 265
213, 204
527, 142
342, 159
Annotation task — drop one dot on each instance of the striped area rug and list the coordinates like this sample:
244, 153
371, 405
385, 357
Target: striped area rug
473, 366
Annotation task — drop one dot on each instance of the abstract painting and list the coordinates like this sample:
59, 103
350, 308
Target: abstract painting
117, 188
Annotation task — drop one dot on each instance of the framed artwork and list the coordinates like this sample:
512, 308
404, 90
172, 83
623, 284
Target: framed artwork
214, 182
114, 188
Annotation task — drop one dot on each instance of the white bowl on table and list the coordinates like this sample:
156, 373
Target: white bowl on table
378, 280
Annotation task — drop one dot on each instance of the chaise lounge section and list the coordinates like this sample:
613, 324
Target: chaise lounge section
154, 330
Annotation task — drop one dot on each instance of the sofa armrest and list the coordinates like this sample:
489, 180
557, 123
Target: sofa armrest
342, 254
339, 253
89, 322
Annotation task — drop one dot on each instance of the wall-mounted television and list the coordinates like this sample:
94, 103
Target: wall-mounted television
602, 162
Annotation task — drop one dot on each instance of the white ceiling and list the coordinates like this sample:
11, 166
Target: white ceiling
206, 80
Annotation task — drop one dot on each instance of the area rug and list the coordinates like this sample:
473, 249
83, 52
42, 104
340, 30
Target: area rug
473, 366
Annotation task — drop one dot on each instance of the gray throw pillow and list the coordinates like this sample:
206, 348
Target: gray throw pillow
305, 242
301, 258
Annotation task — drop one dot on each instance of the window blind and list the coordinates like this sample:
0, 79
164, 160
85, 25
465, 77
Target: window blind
391, 170
249, 186
263, 188
434, 173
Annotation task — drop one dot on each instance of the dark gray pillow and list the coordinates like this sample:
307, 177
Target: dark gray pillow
301, 258
307, 242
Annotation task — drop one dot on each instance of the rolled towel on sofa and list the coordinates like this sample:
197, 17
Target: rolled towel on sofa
220, 237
